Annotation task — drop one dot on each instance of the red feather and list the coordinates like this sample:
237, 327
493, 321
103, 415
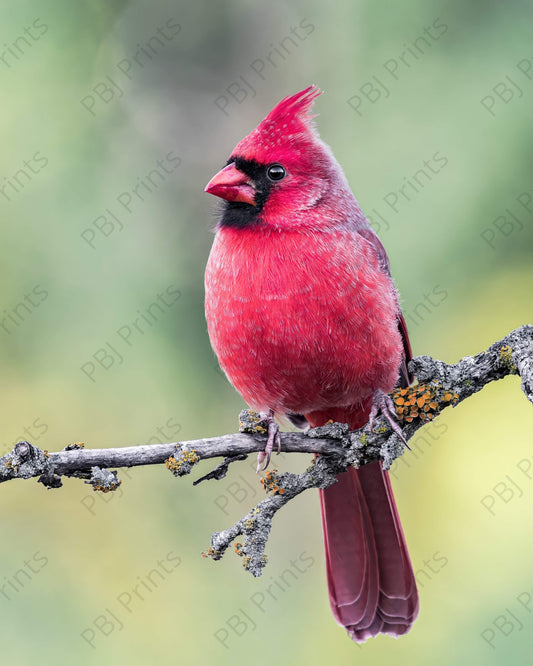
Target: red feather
304, 318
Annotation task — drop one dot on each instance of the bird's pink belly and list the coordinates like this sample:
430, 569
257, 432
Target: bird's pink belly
310, 349
304, 373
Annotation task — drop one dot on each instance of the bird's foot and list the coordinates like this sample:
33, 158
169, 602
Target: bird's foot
273, 438
382, 403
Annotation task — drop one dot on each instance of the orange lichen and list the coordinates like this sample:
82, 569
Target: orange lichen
183, 464
212, 552
109, 488
270, 483
423, 401
506, 359
255, 422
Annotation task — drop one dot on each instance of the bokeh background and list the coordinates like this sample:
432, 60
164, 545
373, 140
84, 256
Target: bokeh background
114, 116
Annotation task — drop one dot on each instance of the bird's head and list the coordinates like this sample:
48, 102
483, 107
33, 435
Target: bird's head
281, 172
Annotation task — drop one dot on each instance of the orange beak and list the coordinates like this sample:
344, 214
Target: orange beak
232, 185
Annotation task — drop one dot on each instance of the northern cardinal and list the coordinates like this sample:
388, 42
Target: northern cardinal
304, 318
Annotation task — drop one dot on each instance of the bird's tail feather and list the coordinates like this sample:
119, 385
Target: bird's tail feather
371, 583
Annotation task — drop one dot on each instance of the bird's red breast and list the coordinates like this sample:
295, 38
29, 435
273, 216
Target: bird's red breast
298, 323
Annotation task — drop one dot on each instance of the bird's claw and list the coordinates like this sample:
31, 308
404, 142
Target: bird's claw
273, 439
382, 403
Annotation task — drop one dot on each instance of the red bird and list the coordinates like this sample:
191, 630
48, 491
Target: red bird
304, 318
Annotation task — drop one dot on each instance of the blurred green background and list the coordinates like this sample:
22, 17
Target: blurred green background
114, 117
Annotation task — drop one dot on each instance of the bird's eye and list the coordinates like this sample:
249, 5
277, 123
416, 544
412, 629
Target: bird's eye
276, 172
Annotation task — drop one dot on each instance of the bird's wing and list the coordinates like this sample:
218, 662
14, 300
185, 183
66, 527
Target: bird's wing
405, 377
370, 235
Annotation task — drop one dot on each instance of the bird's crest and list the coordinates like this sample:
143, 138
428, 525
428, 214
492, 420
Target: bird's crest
288, 122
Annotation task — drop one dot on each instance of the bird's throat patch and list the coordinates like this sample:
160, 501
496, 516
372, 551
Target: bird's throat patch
238, 214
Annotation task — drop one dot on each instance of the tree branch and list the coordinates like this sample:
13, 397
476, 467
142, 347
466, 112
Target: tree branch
439, 386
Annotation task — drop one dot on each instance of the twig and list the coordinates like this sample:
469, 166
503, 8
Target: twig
221, 469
